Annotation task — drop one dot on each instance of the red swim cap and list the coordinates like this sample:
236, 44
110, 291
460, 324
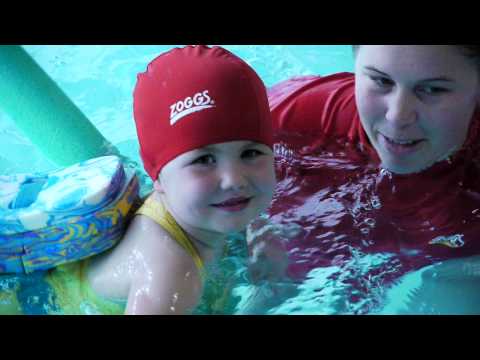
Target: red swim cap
196, 96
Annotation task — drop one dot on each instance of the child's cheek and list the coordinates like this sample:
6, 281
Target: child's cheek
266, 173
202, 188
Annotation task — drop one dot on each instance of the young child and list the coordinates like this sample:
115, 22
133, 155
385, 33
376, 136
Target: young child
205, 134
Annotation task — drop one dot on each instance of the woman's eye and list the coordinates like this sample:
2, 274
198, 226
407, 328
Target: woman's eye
251, 154
381, 81
204, 160
432, 90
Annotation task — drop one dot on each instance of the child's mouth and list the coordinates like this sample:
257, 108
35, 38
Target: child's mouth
233, 204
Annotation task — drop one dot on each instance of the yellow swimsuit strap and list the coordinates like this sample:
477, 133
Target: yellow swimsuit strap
157, 212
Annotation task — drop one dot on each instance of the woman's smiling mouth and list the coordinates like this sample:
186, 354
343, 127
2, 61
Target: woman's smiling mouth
400, 146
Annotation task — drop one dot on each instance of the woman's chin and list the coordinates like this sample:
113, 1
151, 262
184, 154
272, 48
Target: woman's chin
405, 169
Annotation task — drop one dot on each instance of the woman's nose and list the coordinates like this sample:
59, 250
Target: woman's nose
401, 109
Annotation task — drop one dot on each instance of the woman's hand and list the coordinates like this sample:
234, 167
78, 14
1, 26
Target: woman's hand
448, 287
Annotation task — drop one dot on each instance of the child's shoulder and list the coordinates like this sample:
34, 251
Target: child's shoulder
145, 231
158, 238
160, 261
145, 250
156, 244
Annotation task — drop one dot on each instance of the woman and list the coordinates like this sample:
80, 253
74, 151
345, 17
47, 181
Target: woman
383, 161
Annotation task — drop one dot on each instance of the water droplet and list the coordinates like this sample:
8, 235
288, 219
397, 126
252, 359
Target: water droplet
376, 204
365, 230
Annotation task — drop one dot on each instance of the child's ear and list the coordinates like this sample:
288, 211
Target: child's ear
158, 186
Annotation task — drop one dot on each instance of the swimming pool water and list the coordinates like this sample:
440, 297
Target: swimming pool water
100, 81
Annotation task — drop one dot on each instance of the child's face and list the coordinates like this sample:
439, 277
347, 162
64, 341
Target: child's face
220, 187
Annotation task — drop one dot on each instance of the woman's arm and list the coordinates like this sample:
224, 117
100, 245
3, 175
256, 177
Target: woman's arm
449, 287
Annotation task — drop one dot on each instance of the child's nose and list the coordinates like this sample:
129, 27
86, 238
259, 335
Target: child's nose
233, 179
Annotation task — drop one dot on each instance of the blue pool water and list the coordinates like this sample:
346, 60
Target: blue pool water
100, 81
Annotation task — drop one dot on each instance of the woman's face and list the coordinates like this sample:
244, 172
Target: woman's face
415, 102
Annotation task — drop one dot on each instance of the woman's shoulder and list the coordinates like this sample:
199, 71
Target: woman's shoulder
315, 105
299, 85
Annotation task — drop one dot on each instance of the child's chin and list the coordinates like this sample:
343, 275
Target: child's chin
233, 228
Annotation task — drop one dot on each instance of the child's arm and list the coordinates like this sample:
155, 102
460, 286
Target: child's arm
164, 278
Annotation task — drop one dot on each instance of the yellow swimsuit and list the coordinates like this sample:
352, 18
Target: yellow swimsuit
157, 212
71, 293
216, 294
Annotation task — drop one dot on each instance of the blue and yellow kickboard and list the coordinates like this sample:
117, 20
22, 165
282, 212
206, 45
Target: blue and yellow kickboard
63, 216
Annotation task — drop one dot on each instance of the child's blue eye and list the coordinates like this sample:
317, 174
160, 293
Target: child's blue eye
204, 160
251, 154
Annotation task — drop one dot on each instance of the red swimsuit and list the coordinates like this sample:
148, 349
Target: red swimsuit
331, 184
